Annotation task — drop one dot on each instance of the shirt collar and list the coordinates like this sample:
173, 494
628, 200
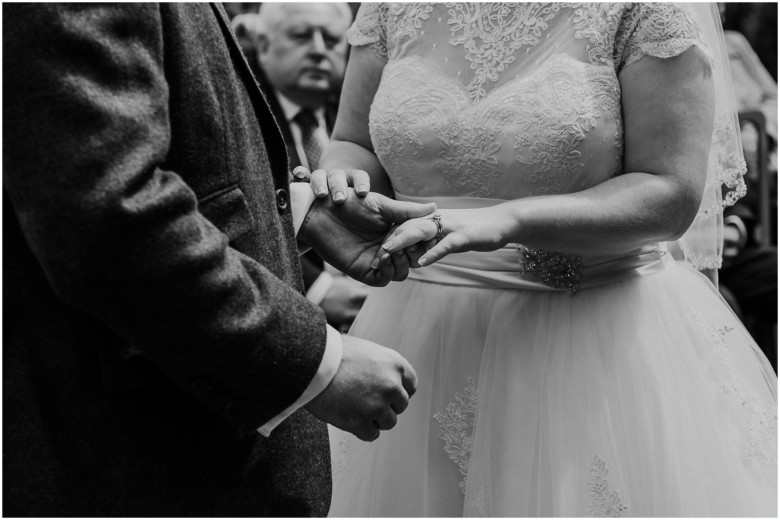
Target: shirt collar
291, 109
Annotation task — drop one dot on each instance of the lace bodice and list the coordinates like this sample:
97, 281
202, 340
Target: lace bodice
507, 100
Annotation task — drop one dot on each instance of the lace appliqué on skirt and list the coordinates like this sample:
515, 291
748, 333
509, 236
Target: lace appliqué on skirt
456, 428
603, 501
557, 270
340, 455
762, 430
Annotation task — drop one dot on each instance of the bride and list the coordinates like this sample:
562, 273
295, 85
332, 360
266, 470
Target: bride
568, 364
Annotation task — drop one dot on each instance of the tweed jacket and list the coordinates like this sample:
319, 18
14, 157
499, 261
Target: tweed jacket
153, 315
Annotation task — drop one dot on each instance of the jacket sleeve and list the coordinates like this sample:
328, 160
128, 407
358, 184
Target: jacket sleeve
86, 136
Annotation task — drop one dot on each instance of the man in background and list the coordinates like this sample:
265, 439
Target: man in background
298, 54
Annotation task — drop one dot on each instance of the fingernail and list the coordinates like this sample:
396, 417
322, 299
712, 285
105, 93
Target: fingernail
321, 190
385, 257
361, 188
422, 261
387, 245
339, 196
375, 263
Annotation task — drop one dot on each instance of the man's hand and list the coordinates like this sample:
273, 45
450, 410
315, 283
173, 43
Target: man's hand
372, 386
348, 236
343, 301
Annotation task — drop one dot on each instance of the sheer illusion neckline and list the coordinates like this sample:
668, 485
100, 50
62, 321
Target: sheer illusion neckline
431, 74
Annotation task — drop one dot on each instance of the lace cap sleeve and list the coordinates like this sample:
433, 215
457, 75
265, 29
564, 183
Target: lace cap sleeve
662, 30
370, 28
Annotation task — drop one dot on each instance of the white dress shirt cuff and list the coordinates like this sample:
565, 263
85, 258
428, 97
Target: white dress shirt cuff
301, 199
331, 359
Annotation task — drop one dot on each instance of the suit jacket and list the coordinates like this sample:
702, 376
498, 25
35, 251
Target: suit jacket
311, 264
153, 315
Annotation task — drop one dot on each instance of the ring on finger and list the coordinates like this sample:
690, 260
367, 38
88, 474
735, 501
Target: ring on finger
436, 218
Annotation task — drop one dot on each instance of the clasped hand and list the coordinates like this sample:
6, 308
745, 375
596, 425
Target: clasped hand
348, 234
417, 241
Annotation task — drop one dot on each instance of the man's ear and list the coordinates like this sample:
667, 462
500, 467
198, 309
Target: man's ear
261, 42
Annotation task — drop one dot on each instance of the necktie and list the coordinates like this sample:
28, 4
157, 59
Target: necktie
308, 124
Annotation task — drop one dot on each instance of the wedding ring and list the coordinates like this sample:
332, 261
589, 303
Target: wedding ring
436, 218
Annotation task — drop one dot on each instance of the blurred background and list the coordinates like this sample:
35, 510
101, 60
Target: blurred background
748, 278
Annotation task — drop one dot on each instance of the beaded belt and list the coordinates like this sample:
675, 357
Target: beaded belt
518, 267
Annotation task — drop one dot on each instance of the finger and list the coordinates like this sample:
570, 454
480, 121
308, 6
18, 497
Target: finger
361, 181
301, 173
401, 211
401, 402
408, 378
413, 254
368, 433
387, 419
382, 255
421, 249
411, 232
319, 183
448, 244
378, 276
337, 182
400, 266
386, 271
382, 259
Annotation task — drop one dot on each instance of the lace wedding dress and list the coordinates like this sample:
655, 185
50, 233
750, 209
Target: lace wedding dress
549, 384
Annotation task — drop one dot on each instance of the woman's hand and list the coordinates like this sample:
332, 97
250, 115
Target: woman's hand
429, 239
335, 181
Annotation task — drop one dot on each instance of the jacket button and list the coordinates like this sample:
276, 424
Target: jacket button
282, 199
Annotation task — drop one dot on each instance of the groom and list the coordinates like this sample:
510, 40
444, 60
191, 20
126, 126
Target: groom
153, 315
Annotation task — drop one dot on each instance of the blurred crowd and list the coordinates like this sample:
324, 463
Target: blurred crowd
281, 40
748, 279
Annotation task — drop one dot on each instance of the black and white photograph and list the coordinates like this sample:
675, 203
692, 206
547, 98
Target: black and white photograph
309, 259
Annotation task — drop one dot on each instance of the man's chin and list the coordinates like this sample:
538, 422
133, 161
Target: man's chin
317, 86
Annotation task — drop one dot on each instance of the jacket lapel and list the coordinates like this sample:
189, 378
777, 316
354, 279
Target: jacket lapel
235, 48
271, 133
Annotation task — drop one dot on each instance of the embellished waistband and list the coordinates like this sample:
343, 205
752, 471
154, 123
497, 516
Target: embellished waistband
518, 267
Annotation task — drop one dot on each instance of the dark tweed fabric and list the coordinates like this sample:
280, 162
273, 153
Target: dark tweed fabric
151, 287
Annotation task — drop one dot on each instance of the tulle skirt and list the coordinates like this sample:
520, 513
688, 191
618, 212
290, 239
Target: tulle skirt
644, 397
